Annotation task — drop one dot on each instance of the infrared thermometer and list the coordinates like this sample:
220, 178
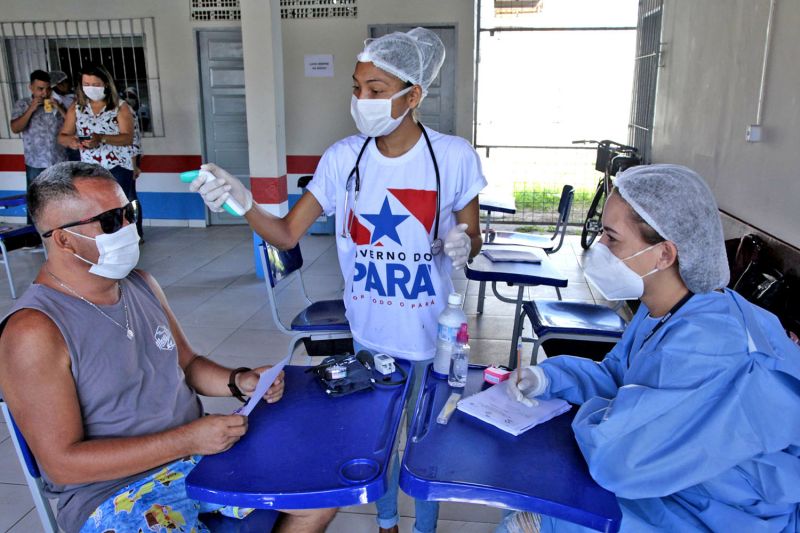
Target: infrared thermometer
230, 205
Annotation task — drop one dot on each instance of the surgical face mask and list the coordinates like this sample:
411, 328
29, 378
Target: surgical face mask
119, 252
373, 117
94, 93
611, 276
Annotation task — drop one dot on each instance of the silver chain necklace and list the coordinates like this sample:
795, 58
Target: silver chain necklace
126, 328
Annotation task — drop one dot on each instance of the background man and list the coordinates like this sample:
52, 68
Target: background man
38, 119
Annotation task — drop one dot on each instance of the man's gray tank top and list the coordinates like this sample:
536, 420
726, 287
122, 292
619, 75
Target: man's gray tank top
125, 387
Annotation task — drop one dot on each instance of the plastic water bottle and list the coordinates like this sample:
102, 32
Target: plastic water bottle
459, 361
449, 321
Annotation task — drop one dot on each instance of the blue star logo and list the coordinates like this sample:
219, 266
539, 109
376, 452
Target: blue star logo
385, 223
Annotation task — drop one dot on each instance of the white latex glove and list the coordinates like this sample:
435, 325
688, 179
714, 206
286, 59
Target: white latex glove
216, 192
457, 245
533, 382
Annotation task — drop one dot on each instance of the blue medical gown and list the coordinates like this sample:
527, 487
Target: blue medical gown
699, 428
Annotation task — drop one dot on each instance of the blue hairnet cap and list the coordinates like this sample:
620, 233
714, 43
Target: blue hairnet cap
676, 202
415, 56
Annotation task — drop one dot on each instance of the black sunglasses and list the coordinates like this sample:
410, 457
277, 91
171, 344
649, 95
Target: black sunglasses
110, 221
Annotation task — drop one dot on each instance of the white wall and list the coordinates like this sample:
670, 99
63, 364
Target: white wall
318, 109
708, 94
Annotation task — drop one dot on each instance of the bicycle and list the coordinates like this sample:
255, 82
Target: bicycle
612, 157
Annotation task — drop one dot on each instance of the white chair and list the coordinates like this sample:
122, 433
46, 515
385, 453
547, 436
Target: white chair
549, 243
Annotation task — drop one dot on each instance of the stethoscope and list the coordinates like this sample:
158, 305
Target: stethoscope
355, 176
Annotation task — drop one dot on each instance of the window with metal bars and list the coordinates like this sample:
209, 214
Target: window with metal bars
645, 78
126, 47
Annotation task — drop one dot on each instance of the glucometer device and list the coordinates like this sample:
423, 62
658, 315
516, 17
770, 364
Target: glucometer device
383, 363
230, 205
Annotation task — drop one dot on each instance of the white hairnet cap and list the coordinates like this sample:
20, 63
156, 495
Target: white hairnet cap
57, 76
415, 56
678, 204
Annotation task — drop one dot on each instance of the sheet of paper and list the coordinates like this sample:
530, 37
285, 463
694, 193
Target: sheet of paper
265, 381
318, 65
496, 407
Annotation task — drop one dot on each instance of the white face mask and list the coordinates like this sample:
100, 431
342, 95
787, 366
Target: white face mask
94, 93
373, 117
119, 252
611, 276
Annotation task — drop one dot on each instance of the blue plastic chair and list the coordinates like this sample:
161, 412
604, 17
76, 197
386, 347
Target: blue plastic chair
32, 475
14, 238
259, 521
555, 319
318, 321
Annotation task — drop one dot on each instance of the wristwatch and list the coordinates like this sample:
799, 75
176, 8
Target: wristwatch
235, 392
103, 139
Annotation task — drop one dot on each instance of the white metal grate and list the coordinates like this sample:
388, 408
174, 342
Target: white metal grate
315, 9
645, 77
126, 47
216, 10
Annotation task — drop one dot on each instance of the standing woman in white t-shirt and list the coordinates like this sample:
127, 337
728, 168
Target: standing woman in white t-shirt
406, 204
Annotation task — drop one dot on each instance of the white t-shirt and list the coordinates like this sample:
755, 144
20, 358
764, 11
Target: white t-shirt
394, 288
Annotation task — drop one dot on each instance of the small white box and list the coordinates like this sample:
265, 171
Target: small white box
383, 363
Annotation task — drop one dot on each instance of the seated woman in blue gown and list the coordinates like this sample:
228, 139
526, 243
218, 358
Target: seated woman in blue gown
693, 419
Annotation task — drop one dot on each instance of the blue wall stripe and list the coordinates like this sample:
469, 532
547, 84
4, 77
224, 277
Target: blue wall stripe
172, 205
155, 205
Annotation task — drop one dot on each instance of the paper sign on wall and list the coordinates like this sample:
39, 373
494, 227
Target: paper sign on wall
319, 66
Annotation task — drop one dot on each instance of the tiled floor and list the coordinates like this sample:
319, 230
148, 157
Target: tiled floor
209, 278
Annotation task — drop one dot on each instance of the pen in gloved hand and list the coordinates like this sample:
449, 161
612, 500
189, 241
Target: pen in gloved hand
519, 361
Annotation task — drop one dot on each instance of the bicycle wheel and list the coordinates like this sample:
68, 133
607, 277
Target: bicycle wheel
594, 224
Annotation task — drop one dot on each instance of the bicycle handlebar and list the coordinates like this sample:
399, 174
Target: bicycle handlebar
610, 144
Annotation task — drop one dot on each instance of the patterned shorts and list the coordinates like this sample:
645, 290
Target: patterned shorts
156, 503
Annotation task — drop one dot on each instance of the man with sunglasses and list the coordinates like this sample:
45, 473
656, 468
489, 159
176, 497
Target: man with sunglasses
100, 377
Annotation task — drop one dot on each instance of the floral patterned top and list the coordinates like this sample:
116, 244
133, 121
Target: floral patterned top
105, 123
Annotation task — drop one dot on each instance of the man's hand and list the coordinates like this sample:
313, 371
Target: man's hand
36, 101
215, 433
247, 382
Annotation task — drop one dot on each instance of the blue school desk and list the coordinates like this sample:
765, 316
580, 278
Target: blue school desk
308, 450
470, 461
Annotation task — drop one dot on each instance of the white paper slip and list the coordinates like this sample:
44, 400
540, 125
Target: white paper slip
265, 381
506, 255
494, 406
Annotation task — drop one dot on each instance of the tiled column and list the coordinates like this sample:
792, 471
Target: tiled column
263, 74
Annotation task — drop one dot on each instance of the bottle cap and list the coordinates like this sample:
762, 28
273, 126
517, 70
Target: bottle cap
189, 175
454, 299
462, 336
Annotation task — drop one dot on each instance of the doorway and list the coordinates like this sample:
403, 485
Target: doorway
223, 107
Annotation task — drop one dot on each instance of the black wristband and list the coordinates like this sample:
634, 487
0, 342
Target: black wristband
235, 392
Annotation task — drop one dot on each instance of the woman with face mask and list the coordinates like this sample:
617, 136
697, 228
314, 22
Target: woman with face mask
691, 419
406, 204
100, 125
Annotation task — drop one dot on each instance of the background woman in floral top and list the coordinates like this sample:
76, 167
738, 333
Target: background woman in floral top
100, 125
